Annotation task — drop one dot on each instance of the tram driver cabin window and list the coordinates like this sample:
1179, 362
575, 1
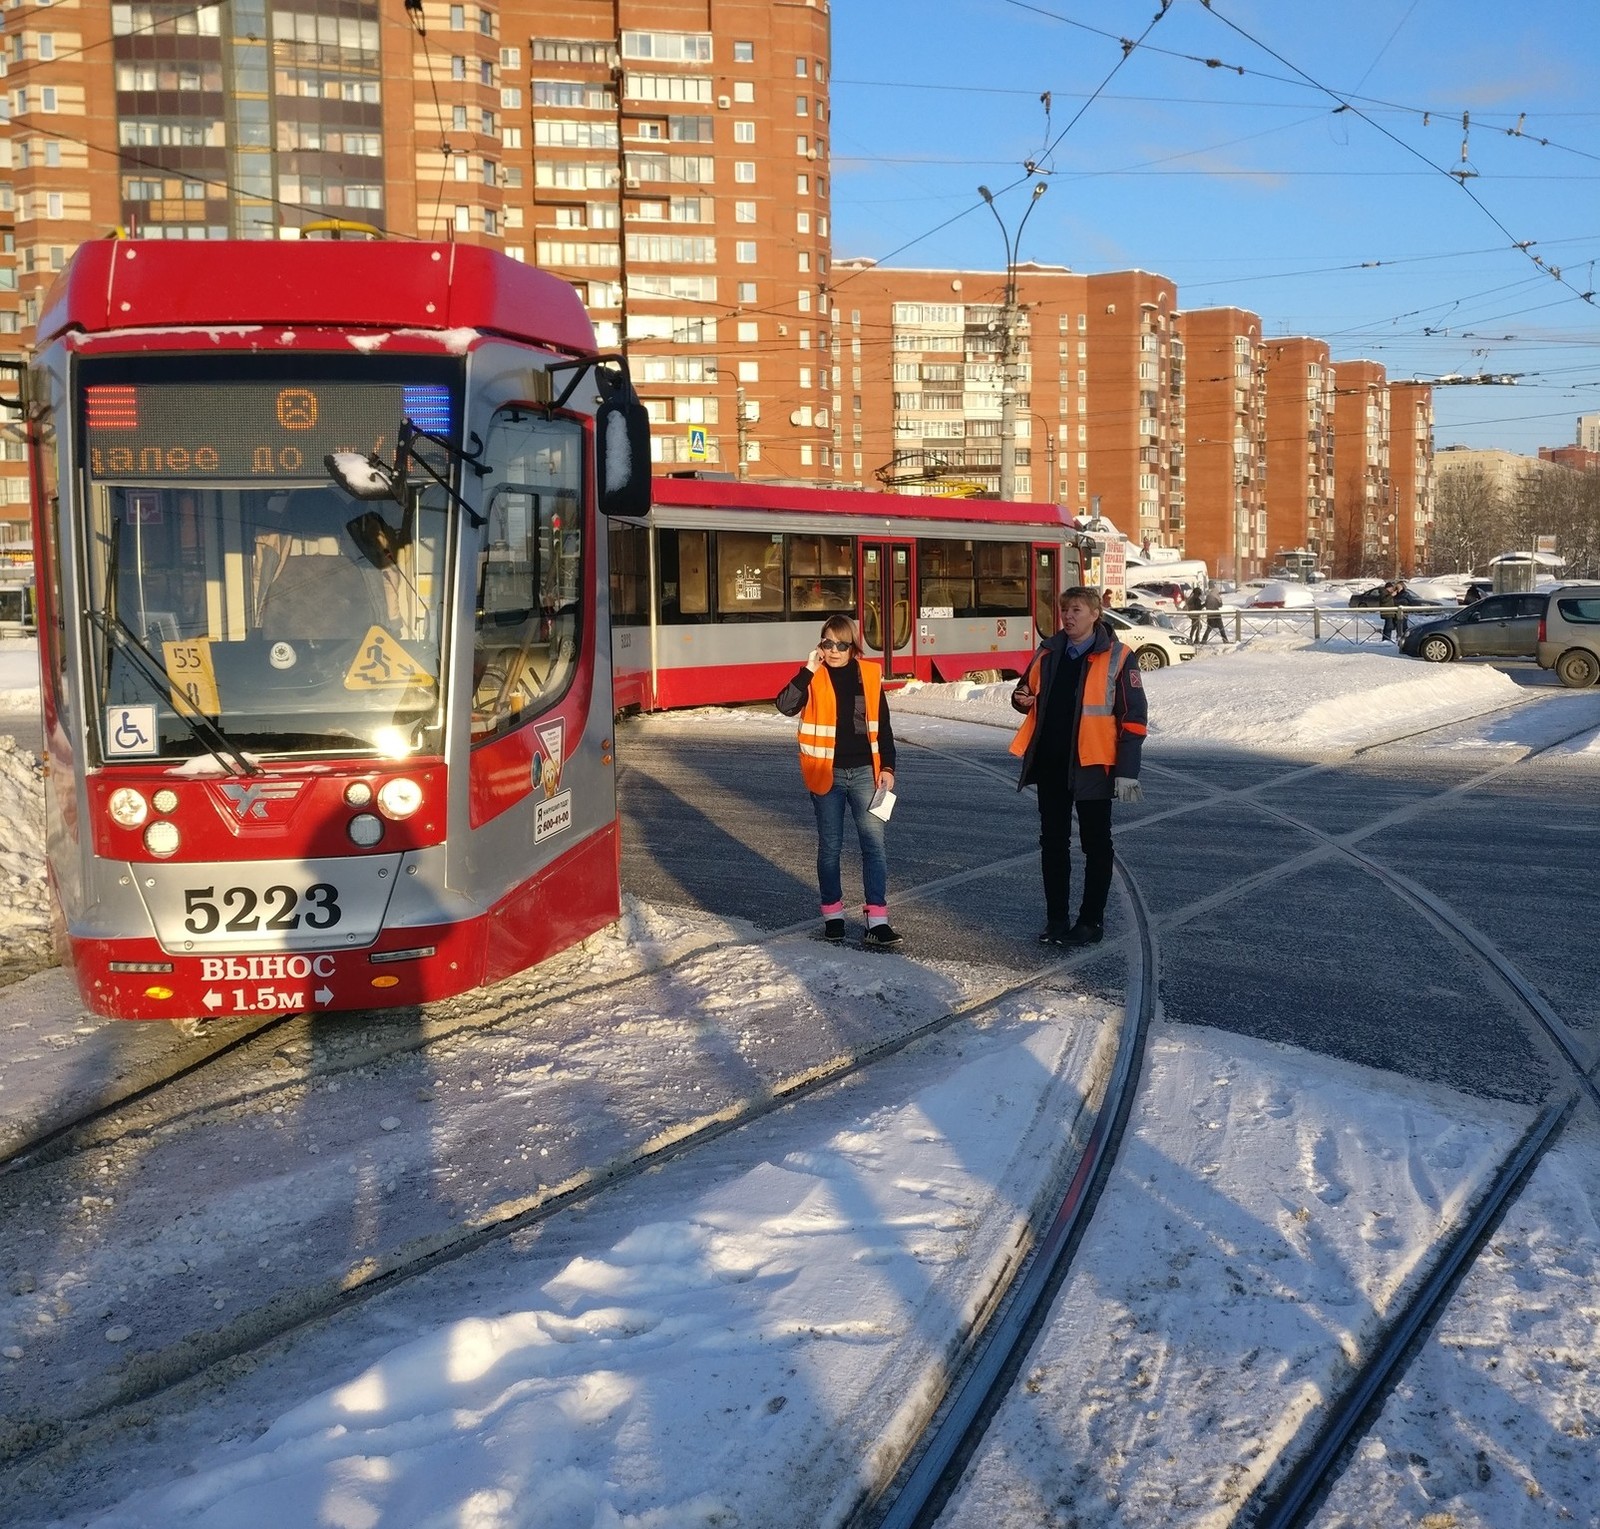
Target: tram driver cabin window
530, 574
821, 575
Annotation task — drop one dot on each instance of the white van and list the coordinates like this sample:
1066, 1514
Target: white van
1185, 571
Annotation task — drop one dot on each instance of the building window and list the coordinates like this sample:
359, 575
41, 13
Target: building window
749, 371
744, 212
458, 18
744, 53
803, 260
744, 171
744, 132
47, 98
748, 331
744, 91
802, 222
800, 69
458, 68
746, 292
53, 204
802, 144
673, 47
464, 220
744, 251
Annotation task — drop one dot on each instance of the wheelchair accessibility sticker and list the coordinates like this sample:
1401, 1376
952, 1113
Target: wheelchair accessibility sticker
130, 730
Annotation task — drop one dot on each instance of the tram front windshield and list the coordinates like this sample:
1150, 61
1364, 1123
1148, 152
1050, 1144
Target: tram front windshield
237, 602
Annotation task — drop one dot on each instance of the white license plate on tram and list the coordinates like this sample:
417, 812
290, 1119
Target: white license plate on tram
268, 905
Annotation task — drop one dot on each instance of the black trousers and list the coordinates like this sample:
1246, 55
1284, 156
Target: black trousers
1055, 852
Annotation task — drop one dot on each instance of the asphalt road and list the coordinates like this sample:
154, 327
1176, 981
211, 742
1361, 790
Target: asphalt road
1320, 955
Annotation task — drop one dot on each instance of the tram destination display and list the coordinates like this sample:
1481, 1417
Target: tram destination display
244, 430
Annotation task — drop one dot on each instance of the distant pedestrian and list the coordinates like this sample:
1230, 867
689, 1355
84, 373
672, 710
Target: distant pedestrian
1214, 617
846, 754
1080, 740
1195, 603
1391, 616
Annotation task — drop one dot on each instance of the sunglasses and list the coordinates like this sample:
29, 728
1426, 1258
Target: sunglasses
837, 645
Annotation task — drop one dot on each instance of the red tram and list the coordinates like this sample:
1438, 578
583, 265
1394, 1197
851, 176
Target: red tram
326, 679
719, 593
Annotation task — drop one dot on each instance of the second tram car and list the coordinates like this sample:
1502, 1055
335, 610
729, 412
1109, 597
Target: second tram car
719, 593
326, 680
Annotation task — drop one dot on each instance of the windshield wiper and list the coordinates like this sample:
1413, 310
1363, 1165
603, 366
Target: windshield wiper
120, 636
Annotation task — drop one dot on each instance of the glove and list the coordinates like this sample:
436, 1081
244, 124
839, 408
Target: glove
1127, 789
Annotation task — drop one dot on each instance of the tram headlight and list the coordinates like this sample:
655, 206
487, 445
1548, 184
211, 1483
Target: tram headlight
358, 793
165, 800
365, 830
399, 798
161, 838
127, 808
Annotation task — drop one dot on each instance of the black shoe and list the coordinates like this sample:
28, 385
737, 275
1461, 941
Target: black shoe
1054, 933
1085, 933
880, 937
833, 930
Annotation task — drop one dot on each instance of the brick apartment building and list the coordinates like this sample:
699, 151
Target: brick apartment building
1299, 449
1410, 474
1097, 387
1361, 543
1225, 418
670, 159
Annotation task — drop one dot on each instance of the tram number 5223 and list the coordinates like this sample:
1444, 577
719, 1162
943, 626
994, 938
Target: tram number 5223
245, 908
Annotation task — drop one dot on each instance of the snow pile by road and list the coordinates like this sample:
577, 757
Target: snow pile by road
1274, 693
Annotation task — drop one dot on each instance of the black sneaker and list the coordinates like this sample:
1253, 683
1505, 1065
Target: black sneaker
1054, 933
880, 937
833, 930
1085, 933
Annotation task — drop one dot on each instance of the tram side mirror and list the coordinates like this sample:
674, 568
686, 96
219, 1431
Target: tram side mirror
362, 477
622, 445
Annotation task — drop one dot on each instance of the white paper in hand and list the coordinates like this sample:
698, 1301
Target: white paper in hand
882, 803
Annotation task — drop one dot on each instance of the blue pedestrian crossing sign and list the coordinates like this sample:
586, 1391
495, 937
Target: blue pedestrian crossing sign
697, 445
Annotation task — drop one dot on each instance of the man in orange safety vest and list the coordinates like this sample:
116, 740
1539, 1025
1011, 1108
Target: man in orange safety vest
1083, 729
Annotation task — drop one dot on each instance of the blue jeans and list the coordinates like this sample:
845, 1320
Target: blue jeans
853, 787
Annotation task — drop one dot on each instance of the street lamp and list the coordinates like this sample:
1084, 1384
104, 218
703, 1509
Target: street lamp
1008, 322
1049, 457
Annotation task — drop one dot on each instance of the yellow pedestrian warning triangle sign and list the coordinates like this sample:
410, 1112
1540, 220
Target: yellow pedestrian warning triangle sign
382, 664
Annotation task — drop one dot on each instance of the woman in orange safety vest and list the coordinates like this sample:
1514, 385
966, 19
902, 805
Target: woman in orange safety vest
846, 756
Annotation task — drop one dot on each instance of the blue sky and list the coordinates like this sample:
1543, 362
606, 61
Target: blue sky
1257, 190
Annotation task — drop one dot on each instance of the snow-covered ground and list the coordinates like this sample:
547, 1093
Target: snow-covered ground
747, 1340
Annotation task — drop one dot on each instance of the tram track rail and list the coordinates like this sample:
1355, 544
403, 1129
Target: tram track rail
172, 1373
1316, 1452
111, 1404
106, 1121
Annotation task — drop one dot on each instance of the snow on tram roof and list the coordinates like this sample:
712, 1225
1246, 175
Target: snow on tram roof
122, 284
730, 494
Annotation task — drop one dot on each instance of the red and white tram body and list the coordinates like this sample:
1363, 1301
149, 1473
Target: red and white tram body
721, 592
307, 752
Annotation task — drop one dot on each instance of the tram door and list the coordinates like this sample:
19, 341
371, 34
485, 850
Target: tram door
887, 628
1046, 586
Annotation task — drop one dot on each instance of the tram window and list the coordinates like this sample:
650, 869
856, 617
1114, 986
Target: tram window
749, 576
685, 591
530, 572
1002, 578
630, 572
944, 569
821, 574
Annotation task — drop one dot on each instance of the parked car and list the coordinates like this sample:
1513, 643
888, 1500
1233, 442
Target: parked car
1163, 594
1476, 589
1154, 647
1569, 635
1276, 595
1369, 597
1497, 626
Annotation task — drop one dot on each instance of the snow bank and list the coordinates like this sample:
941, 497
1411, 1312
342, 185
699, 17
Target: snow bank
1274, 693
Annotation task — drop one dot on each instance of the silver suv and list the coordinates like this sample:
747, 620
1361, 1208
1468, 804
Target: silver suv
1569, 635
